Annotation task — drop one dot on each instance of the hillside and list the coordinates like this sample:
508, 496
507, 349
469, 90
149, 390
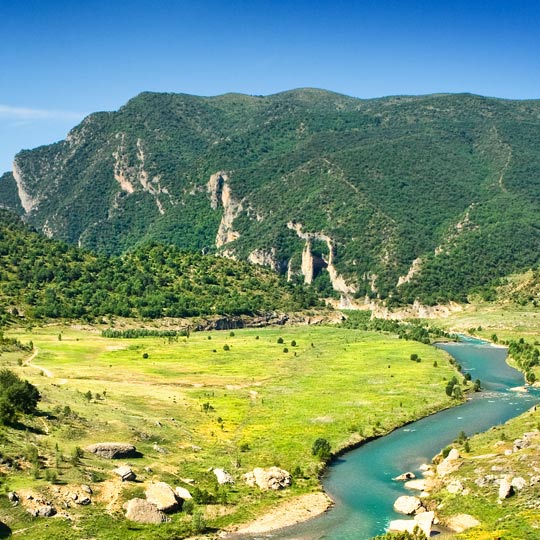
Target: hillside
405, 197
44, 278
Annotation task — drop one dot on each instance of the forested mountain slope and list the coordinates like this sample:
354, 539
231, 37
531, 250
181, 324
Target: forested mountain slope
406, 197
44, 278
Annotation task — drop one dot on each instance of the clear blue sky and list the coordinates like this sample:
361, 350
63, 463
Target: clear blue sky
60, 59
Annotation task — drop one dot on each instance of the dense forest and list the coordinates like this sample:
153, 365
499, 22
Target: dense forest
450, 181
42, 278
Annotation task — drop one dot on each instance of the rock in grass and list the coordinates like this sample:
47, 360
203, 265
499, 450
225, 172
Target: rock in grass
142, 511
461, 522
271, 478
423, 520
407, 505
112, 450
45, 510
182, 493
125, 473
223, 477
505, 489
162, 496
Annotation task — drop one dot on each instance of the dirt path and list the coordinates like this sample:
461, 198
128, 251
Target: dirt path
47, 372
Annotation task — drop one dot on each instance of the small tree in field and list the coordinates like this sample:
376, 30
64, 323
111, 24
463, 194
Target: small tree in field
321, 448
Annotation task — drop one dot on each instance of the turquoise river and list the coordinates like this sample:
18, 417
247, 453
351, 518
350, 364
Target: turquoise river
361, 482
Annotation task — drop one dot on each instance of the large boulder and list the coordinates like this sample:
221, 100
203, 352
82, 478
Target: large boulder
450, 464
424, 521
182, 493
223, 477
112, 450
272, 478
45, 510
505, 488
407, 505
162, 496
461, 522
142, 511
125, 473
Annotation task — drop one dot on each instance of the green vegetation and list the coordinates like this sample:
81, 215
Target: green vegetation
449, 179
41, 278
187, 409
16, 397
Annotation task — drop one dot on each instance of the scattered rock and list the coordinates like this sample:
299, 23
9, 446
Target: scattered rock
125, 473
113, 450
505, 489
87, 489
223, 477
423, 520
454, 487
45, 510
404, 477
272, 478
182, 493
449, 464
519, 483
84, 501
407, 505
160, 449
13, 497
418, 485
461, 522
162, 496
142, 511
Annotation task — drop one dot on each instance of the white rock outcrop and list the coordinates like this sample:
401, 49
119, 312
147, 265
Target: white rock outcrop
272, 478
407, 505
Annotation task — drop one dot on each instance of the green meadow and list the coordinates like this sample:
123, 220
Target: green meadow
235, 400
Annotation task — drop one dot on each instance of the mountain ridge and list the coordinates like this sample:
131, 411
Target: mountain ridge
385, 189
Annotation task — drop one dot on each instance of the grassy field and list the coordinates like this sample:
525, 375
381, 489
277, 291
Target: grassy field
189, 405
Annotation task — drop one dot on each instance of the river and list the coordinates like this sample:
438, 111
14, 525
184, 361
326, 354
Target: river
361, 482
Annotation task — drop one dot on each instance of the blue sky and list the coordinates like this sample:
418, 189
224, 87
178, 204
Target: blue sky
60, 60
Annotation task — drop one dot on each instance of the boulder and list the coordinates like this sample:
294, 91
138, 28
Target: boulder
404, 477
223, 477
449, 464
13, 497
272, 478
505, 489
424, 521
142, 511
125, 473
162, 496
407, 505
182, 493
518, 483
454, 487
45, 510
84, 501
87, 489
461, 522
112, 450
419, 484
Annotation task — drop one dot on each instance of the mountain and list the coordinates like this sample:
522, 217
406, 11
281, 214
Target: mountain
403, 198
45, 278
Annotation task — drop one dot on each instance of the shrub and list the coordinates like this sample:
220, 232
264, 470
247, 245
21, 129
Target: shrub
280, 340
145, 355
226, 347
321, 449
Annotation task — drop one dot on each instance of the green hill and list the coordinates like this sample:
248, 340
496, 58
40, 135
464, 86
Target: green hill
438, 194
44, 278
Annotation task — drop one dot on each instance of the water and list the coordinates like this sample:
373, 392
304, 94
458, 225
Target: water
361, 481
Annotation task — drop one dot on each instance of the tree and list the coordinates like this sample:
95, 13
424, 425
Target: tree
16, 396
321, 448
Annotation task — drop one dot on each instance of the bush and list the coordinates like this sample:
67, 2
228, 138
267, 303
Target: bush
16, 396
145, 355
280, 340
226, 347
321, 448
